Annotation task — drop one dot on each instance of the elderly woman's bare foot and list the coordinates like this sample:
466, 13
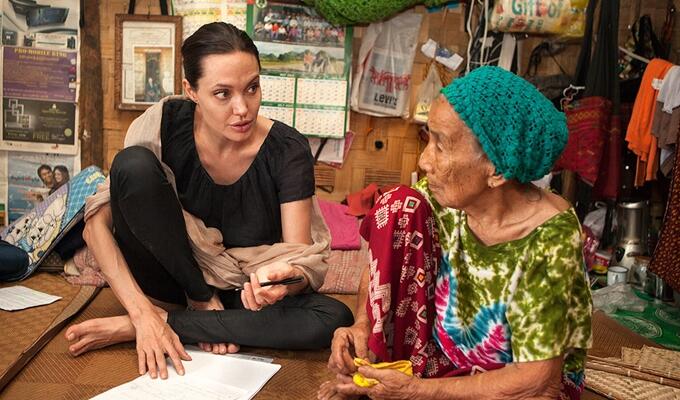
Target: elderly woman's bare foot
100, 332
327, 392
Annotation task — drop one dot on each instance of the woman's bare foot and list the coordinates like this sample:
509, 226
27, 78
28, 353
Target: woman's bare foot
327, 392
100, 332
219, 348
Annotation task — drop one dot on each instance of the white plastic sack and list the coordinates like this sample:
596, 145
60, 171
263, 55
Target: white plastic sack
383, 78
595, 219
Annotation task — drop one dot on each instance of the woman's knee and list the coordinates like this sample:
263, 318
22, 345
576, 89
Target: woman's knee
135, 166
134, 162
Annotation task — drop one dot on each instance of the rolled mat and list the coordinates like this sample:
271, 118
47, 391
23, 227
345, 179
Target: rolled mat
25, 332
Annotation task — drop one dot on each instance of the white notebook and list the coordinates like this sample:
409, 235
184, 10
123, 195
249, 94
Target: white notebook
208, 376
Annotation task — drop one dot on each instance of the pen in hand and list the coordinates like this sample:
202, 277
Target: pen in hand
288, 281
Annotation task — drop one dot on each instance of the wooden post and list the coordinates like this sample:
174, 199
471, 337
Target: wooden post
90, 102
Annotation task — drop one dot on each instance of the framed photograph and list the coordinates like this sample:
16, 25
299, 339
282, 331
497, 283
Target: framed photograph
148, 65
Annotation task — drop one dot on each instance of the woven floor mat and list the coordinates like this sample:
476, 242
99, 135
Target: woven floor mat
609, 337
623, 388
25, 332
54, 374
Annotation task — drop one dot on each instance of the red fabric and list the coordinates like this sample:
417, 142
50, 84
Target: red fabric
588, 121
361, 202
609, 175
404, 253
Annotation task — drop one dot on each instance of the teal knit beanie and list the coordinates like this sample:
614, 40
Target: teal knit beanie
520, 130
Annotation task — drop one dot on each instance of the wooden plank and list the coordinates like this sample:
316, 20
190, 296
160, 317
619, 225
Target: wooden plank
90, 103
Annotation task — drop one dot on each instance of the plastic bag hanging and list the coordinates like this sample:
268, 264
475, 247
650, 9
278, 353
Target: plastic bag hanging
382, 83
429, 90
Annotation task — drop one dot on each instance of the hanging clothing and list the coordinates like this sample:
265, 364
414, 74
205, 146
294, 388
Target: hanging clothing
666, 258
665, 125
639, 136
665, 128
669, 93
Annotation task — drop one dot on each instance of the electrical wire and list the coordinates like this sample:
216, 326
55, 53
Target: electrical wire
485, 13
468, 28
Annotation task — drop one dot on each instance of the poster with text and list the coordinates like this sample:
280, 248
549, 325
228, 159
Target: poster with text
37, 125
49, 24
34, 176
39, 74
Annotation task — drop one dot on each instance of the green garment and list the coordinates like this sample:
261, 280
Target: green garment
519, 301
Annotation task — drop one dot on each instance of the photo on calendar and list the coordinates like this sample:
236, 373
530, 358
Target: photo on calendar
302, 59
285, 23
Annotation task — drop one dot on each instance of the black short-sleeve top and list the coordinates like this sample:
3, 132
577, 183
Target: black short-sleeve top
248, 211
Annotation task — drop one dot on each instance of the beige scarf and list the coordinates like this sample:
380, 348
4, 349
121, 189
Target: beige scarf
224, 268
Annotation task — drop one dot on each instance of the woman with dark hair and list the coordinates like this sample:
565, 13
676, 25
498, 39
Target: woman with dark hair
209, 196
61, 177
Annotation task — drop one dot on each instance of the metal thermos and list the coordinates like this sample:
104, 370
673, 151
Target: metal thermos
633, 222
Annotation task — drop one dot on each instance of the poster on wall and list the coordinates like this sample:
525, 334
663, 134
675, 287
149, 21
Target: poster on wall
31, 177
37, 121
305, 68
196, 13
51, 24
39, 74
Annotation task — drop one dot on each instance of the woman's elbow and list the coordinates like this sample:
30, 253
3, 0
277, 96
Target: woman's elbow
534, 380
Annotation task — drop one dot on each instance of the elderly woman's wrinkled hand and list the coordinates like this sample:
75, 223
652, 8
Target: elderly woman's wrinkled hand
341, 360
392, 385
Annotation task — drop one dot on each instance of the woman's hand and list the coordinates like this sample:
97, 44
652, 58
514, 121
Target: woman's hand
213, 304
392, 385
344, 341
155, 339
254, 297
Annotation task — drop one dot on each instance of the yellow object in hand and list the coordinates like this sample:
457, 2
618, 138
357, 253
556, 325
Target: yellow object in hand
404, 366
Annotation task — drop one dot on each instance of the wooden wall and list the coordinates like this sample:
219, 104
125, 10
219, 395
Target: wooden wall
401, 146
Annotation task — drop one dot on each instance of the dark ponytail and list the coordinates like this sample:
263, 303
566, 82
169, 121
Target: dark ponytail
209, 39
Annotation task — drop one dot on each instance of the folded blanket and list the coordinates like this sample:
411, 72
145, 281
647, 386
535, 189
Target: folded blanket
344, 228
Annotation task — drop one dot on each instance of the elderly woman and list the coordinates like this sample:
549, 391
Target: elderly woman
476, 273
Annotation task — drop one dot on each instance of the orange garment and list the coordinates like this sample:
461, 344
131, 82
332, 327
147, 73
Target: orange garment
639, 135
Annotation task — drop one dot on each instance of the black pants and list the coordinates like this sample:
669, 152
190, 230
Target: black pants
150, 231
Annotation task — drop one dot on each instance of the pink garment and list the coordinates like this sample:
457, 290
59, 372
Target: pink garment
344, 228
88, 272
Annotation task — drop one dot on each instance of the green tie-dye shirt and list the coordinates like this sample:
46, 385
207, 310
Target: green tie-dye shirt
518, 301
